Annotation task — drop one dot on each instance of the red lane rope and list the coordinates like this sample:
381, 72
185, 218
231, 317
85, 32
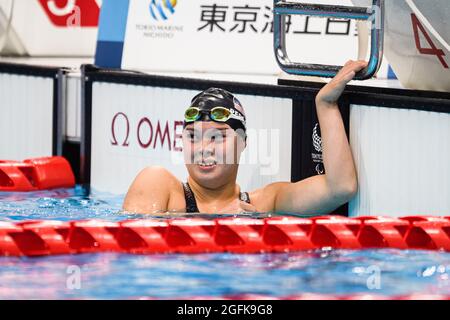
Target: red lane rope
36, 174
236, 235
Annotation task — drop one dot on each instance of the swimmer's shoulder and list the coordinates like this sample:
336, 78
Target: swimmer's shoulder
264, 198
158, 171
151, 190
155, 175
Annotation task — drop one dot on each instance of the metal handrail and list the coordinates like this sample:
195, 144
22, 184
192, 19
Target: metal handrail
374, 14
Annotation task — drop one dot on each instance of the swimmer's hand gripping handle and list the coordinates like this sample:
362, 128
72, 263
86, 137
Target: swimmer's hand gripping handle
331, 92
374, 14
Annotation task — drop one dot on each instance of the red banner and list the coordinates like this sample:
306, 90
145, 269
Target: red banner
72, 13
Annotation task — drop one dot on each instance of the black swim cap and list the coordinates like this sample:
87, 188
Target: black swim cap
215, 97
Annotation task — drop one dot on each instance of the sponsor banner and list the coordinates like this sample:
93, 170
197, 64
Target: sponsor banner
402, 159
50, 27
134, 127
235, 36
222, 36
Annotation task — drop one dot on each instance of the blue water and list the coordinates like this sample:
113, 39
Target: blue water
122, 276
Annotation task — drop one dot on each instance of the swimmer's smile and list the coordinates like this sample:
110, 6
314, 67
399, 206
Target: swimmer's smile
207, 165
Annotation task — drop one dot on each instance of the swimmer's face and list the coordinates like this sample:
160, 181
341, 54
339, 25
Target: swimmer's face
211, 152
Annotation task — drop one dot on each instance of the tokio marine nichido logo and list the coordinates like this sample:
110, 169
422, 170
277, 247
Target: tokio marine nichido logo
162, 9
161, 24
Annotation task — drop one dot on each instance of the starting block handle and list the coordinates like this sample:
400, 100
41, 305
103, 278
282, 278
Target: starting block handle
375, 14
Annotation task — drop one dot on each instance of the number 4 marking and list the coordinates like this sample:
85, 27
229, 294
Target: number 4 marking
431, 51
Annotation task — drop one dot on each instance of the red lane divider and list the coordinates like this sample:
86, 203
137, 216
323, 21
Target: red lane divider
236, 235
36, 174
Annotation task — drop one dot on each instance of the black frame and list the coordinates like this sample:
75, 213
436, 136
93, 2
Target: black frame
433, 101
302, 94
57, 74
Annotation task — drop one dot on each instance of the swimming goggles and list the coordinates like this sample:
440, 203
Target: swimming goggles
218, 114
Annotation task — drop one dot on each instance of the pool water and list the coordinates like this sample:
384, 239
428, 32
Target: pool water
122, 276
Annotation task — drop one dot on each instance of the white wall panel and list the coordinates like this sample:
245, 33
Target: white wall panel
26, 116
403, 161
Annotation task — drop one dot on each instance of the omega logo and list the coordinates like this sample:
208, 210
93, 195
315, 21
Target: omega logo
148, 133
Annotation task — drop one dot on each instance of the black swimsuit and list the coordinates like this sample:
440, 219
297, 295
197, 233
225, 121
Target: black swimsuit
191, 203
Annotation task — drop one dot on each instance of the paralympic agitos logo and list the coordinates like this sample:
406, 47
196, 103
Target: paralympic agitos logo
72, 13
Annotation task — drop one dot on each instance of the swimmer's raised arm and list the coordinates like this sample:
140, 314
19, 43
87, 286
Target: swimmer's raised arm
324, 193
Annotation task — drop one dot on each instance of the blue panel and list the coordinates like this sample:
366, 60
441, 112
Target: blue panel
391, 73
109, 54
113, 20
111, 33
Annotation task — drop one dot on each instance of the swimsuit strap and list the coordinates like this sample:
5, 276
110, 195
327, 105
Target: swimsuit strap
191, 203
